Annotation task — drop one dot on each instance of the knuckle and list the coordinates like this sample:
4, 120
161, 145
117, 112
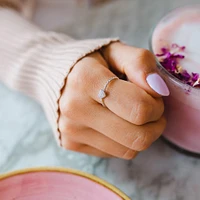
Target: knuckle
144, 53
142, 142
69, 145
142, 113
129, 154
67, 129
67, 108
78, 76
83, 78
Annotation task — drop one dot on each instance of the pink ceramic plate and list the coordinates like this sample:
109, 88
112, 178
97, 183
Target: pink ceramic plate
56, 184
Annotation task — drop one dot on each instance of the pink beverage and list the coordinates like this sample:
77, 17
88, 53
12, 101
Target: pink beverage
179, 33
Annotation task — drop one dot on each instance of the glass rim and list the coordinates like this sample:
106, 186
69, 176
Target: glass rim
159, 65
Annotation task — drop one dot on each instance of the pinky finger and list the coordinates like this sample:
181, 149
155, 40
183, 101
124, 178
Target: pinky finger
95, 152
82, 148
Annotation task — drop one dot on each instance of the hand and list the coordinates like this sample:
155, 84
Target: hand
133, 119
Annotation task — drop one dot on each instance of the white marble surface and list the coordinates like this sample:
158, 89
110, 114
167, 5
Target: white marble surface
26, 140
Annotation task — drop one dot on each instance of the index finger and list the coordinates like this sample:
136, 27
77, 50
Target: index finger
139, 65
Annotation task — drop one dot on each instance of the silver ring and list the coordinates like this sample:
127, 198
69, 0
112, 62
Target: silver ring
102, 92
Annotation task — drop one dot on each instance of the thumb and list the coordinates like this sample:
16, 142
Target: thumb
138, 65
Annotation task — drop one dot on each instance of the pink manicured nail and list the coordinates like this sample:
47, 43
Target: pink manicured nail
157, 84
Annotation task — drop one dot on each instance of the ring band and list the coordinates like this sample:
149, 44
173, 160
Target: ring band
102, 93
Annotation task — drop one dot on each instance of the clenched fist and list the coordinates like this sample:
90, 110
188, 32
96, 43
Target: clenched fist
133, 117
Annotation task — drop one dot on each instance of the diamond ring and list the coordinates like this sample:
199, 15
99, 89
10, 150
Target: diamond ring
102, 93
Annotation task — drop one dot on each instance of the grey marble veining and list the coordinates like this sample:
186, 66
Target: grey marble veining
26, 140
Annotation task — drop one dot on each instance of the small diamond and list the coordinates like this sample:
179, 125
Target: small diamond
102, 94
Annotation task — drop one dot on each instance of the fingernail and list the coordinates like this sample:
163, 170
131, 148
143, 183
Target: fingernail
157, 84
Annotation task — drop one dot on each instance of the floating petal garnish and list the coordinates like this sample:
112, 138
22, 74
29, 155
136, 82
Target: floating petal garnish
169, 59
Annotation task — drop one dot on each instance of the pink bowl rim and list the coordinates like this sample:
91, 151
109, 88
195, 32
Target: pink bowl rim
67, 171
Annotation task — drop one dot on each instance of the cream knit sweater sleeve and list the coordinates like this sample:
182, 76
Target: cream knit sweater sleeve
36, 62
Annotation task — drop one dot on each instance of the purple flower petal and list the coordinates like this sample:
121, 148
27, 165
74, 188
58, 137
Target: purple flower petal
182, 48
195, 77
159, 55
170, 61
165, 50
186, 76
179, 56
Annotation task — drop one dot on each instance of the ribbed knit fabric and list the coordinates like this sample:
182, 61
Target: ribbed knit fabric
37, 63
